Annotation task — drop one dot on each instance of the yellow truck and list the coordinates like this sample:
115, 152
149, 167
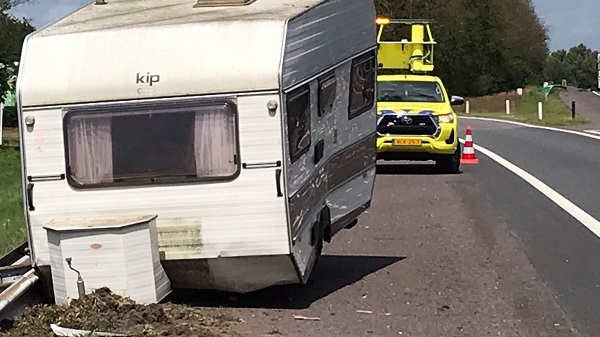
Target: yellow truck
415, 119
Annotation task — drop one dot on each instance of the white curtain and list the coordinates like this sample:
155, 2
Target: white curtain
214, 142
90, 150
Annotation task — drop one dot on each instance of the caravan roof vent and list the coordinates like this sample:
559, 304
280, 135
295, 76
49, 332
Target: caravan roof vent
100, 2
215, 3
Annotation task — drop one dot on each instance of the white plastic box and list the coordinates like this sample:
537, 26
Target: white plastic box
120, 253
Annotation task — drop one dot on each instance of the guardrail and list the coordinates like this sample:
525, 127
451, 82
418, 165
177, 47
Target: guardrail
18, 280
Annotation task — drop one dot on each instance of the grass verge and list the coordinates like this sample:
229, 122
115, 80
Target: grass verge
12, 226
524, 108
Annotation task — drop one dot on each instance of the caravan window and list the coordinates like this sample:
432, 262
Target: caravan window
362, 85
150, 144
298, 121
327, 93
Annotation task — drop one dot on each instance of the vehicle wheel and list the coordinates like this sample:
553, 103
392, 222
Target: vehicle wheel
321, 232
450, 163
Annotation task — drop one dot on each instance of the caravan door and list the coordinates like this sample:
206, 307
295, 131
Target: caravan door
306, 176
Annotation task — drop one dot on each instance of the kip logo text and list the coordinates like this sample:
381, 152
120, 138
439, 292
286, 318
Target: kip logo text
147, 79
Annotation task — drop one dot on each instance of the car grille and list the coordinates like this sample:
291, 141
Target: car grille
422, 125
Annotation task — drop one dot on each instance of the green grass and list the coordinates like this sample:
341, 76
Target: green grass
525, 109
12, 225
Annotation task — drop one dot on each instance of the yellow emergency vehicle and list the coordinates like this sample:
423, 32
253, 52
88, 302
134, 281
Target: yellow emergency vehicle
415, 116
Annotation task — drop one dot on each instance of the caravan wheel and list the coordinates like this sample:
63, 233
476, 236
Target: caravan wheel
321, 230
318, 251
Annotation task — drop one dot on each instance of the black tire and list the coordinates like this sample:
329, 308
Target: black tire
319, 250
450, 163
321, 227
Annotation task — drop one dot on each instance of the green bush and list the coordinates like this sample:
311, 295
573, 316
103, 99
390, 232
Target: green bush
9, 116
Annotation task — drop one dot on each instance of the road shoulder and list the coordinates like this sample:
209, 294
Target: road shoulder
432, 257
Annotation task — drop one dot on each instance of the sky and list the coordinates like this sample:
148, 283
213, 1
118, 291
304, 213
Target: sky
570, 22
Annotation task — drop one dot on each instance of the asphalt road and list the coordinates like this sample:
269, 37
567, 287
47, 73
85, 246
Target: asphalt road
475, 254
564, 252
587, 104
568, 163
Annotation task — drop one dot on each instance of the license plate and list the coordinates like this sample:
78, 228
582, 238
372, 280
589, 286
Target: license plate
407, 142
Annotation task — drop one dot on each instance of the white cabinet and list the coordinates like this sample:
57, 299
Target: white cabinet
120, 253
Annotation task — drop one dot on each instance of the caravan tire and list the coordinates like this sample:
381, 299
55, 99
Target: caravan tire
323, 225
319, 241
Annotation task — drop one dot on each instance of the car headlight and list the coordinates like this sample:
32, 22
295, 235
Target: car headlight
447, 118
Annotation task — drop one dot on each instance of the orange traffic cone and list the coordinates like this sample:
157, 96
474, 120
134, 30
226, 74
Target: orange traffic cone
468, 156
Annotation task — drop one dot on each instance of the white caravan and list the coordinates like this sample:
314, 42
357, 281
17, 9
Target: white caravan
245, 129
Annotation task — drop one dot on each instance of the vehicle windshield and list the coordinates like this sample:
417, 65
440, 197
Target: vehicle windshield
404, 91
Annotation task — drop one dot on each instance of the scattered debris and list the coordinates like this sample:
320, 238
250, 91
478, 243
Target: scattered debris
60, 331
444, 307
303, 318
105, 311
274, 332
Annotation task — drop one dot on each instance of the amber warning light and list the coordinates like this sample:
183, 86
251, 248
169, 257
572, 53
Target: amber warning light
382, 21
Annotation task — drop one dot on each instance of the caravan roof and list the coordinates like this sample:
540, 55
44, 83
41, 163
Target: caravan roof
122, 14
109, 52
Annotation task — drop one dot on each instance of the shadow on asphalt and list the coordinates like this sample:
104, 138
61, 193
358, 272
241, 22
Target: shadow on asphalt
332, 273
409, 169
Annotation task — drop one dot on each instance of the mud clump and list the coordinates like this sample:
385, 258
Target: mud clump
104, 311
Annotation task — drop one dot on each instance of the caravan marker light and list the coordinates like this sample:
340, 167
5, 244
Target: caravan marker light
382, 21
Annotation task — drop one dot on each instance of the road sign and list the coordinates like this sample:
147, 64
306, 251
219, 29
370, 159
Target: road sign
546, 88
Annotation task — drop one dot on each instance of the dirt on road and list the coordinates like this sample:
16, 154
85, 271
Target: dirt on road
105, 312
430, 258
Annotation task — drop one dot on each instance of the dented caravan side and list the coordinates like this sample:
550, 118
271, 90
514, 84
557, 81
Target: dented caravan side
250, 224
330, 69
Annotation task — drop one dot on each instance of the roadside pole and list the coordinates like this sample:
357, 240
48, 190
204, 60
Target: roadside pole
598, 68
1, 118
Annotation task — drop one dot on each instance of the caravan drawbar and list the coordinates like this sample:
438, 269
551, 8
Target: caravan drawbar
210, 145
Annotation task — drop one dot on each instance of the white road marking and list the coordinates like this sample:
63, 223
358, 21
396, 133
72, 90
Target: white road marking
596, 93
574, 132
580, 215
597, 132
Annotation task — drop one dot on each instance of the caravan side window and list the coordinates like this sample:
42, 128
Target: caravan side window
362, 85
133, 145
327, 93
298, 121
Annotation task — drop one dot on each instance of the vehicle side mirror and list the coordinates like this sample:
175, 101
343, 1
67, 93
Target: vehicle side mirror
457, 100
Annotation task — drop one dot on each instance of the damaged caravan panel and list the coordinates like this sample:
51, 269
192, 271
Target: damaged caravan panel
246, 133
